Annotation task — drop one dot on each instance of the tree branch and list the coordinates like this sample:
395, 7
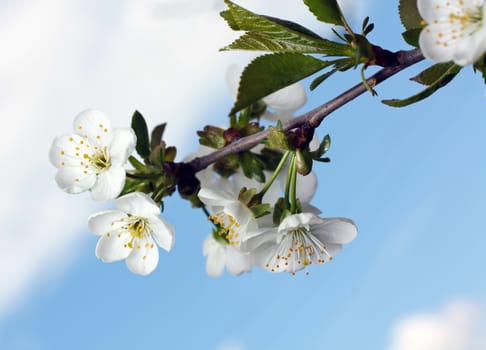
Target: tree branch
314, 117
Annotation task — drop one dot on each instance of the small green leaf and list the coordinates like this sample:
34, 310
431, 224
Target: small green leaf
442, 81
157, 155
157, 134
269, 73
246, 195
323, 148
136, 163
430, 75
411, 36
211, 136
260, 210
277, 139
140, 127
327, 11
409, 14
252, 166
265, 33
170, 154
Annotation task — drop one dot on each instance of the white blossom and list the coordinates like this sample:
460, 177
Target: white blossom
300, 240
93, 157
232, 217
220, 255
132, 233
455, 30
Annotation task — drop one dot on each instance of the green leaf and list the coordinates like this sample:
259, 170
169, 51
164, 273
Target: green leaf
430, 75
265, 33
277, 139
327, 11
157, 134
409, 14
252, 166
260, 210
211, 136
140, 127
269, 73
323, 148
442, 81
246, 195
411, 36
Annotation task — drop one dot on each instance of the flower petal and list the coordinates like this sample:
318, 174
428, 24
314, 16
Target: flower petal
74, 179
335, 230
144, 256
215, 261
306, 187
295, 221
214, 198
93, 125
70, 150
138, 204
113, 247
121, 144
109, 184
162, 232
237, 262
288, 99
106, 221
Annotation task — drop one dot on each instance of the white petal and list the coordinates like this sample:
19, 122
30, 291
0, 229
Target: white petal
306, 187
93, 125
213, 197
106, 221
295, 221
236, 262
239, 212
162, 232
430, 10
288, 99
215, 261
109, 184
74, 179
209, 245
144, 256
69, 150
334, 249
121, 144
113, 247
335, 230
283, 117
257, 239
138, 204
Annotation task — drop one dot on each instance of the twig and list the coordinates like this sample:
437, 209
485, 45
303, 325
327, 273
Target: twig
314, 117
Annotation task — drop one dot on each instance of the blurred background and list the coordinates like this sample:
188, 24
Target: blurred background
412, 179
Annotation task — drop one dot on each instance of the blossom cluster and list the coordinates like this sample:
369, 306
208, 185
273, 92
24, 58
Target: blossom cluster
94, 158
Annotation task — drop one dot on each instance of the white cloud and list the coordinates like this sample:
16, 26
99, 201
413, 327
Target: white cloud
230, 344
460, 325
60, 57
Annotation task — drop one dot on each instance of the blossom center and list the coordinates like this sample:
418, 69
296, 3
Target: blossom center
227, 228
297, 249
99, 161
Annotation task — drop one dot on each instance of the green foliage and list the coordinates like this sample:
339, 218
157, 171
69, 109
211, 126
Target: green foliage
340, 65
323, 148
303, 161
260, 210
280, 211
409, 14
211, 136
277, 138
265, 33
157, 135
411, 36
430, 75
441, 80
140, 127
272, 72
252, 166
327, 11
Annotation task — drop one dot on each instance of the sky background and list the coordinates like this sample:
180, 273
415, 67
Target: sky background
412, 179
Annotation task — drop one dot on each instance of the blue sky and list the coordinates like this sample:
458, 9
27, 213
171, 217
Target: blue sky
412, 179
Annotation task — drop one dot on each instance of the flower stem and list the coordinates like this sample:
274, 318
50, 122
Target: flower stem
288, 180
274, 175
293, 186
